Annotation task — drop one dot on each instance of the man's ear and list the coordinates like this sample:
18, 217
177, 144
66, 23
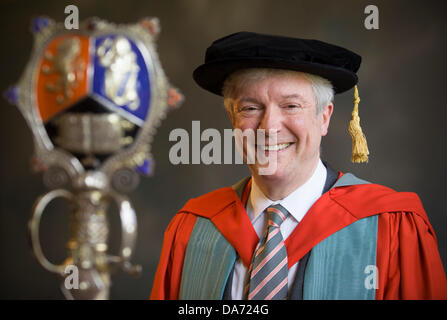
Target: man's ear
326, 115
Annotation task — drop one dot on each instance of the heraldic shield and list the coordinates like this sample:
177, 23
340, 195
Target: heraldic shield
93, 93
109, 69
93, 98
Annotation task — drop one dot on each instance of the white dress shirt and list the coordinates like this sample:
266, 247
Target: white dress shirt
297, 203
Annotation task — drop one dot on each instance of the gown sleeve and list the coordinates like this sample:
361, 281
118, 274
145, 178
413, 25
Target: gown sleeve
168, 275
408, 259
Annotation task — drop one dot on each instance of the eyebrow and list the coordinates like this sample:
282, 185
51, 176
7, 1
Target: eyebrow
248, 99
295, 95
287, 96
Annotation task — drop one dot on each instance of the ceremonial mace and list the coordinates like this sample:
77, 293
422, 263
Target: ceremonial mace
93, 98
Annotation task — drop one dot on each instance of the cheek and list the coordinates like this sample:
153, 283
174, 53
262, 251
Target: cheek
300, 128
308, 132
245, 123
315, 126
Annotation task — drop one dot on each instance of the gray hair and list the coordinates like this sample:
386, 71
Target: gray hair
321, 87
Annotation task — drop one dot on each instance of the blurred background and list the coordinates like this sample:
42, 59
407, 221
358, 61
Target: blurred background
401, 110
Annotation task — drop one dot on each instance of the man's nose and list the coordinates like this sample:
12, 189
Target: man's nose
271, 120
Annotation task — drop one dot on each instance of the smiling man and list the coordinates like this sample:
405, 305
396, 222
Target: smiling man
303, 231
283, 104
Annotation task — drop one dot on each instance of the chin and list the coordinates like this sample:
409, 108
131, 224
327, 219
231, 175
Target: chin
268, 174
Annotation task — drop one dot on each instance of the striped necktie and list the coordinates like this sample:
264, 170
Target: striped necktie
268, 269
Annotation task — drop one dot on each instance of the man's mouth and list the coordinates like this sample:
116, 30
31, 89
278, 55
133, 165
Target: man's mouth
275, 147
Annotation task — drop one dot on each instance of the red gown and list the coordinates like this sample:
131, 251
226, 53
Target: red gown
407, 257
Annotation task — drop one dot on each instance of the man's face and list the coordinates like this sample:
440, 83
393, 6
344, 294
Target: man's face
283, 104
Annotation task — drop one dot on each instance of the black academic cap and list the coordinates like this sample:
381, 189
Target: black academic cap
253, 50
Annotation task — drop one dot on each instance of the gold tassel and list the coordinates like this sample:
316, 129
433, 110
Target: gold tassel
359, 145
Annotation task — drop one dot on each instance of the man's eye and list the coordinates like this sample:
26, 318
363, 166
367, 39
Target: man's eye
292, 107
249, 108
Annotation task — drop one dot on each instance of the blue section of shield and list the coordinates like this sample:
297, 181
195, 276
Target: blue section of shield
121, 77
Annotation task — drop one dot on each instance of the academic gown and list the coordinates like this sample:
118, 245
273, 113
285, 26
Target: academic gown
406, 253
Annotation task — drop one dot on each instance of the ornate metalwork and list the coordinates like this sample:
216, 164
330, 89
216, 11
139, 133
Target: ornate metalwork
93, 98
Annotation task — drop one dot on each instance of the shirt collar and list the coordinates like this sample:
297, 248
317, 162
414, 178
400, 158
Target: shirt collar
298, 202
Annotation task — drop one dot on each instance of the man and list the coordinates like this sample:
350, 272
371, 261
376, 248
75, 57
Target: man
302, 231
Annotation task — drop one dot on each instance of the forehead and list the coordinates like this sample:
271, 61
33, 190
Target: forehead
272, 85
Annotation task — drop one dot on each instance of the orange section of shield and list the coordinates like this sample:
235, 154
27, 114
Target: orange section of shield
62, 75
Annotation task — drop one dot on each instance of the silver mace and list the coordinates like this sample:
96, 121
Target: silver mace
87, 248
121, 73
